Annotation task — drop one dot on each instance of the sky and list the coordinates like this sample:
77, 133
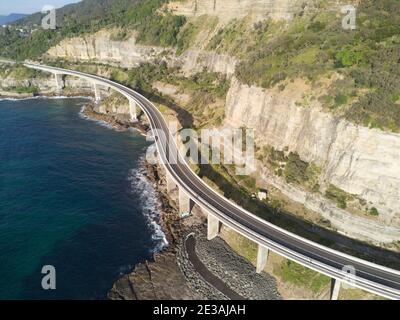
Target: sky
29, 6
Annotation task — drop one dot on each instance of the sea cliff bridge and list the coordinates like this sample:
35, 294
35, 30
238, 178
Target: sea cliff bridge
269, 237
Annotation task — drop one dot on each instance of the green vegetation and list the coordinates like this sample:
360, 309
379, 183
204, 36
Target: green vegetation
294, 52
120, 35
119, 75
29, 90
231, 39
357, 294
207, 82
233, 186
291, 167
313, 46
140, 78
186, 37
295, 169
297, 274
20, 72
188, 34
207, 91
153, 26
374, 211
339, 196
341, 99
348, 57
242, 245
286, 270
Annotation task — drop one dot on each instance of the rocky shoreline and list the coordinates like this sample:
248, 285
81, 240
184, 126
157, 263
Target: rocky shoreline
160, 278
171, 275
119, 122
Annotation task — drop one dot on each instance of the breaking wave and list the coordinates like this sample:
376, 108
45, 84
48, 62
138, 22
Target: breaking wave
99, 122
150, 204
147, 194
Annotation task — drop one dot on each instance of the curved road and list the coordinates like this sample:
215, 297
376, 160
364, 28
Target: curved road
208, 276
369, 276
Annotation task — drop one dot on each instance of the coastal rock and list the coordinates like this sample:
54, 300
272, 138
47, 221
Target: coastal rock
237, 272
127, 53
100, 47
158, 280
193, 61
236, 9
47, 85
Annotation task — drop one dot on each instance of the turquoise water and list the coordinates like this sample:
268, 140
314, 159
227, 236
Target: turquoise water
72, 195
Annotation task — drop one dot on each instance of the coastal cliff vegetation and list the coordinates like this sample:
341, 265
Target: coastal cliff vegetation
312, 46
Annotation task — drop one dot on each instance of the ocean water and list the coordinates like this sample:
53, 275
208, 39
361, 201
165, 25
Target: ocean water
72, 195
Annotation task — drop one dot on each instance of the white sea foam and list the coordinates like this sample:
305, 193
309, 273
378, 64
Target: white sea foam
101, 122
97, 121
150, 204
148, 197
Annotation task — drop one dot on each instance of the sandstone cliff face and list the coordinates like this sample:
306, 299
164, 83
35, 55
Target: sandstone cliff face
48, 84
359, 160
194, 61
353, 226
236, 9
115, 105
256, 10
100, 47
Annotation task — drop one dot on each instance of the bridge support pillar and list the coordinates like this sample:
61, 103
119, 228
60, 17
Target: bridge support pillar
335, 289
213, 225
133, 110
262, 258
185, 203
59, 81
97, 94
171, 185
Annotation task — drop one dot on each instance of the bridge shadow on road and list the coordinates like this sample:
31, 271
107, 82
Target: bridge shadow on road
185, 118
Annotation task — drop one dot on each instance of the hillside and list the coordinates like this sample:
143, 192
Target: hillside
11, 18
90, 16
313, 46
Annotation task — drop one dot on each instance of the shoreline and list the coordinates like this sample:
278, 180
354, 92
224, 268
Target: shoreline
170, 274
166, 215
8, 95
